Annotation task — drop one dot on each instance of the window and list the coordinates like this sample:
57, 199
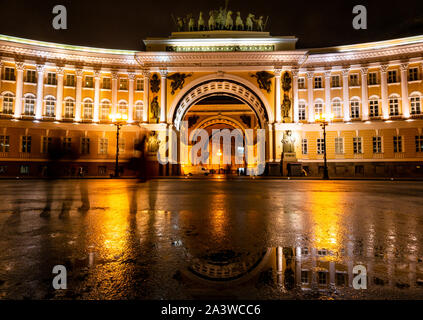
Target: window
413, 74
103, 144
392, 76
419, 143
301, 83
377, 144
29, 104
26, 144
67, 145
354, 80
46, 144
85, 145
89, 82
301, 111
123, 84
357, 146
138, 110
339, 145
304, 146
393, 107
397, 143
50, 106
4, 144
8, 103
322, 277
415, 105
69, 108
3, 169
341, 279
105, 110
336, 83
102, 170
30, 76
139, 84
320, 146
9, 74
122, 107
106, 83
322, 252
304, 277
337, 108
374, 108
70, 80
304, 251
372, 78
318, 82
318, 109
24, 169
355, 109
88, 109
51, 78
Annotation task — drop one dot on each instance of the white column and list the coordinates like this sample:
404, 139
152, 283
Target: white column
310, 98
131, 80
78, 94
384, 91
1, 72
364, 94
146, 74
271, 147
327, 93
19, 89
40, 87
96, 113
404, 90
278, 95
346, 94
295, 93
114, 91
59, 93
171, 143
163, 95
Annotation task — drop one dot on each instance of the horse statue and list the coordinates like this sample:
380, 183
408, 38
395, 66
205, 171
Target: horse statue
250, 22
260, 24
191, 24
212, 21
201, 22
220, 21
239, 24
229, 21
180, 24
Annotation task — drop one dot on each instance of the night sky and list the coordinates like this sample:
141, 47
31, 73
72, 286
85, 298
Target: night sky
123, 24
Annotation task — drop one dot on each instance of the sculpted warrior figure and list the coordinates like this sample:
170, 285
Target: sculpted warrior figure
229, 25
221, 19
288, 142
153, 142
260, 24
180, 24
286, 106
212, 21
250, 22
191, 24
201, 23
155, 108
238, 21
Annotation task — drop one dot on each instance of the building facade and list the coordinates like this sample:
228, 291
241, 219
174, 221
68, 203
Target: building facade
372, 93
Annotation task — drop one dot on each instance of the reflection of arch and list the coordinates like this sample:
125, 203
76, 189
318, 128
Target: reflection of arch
228, 85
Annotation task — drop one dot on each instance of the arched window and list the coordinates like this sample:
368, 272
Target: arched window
318, 108
69, 108
374, 107
355, 108
29, 105
50, 106
123, 107
139, 106
8, 103
393, 106
88, 109
301, 111
415, 104
337, 108
105, 110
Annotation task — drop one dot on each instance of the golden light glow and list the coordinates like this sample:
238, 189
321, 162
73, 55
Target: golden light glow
324, 117
118, 117
219, 153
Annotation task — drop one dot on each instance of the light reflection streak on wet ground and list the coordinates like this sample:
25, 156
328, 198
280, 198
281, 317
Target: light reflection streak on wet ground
212, 239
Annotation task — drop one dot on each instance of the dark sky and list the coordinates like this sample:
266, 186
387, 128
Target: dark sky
123, 24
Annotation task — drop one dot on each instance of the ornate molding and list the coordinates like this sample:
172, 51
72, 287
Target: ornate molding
60, 70
163, 73
364, 70
131, 75
114, 74
79, 72
40, 68
20, 66
384, 67
404, 66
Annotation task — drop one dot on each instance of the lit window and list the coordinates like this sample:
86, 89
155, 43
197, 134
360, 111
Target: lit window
88, 109
50, 106
51, 79
4, 144
397, 144
138, 110
339, 145
415, 105
337, 108
377, 144
355, 109
304, 146
89, 82
26, 144
103, 144
105, 110
301, 83
123, 84
69, 108
419, 143
357, 145
29, 104
8, 103
318, 109
374, 108
393, 107
123, 107
301, 112
320, 146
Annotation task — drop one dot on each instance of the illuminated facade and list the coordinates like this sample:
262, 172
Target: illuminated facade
215, 79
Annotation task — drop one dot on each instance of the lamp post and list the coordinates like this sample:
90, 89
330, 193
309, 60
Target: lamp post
324, 121
118, 120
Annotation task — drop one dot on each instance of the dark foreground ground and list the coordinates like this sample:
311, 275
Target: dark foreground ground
194, 239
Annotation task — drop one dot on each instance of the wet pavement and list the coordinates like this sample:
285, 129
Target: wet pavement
203, 239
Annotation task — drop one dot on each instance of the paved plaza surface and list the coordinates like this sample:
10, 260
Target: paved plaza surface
211, 239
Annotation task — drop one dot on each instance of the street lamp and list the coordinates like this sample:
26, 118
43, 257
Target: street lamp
324, 121
118, 120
